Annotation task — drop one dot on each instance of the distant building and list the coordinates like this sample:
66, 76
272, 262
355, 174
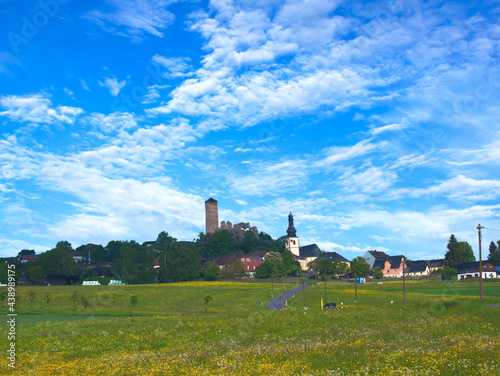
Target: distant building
417, 268
292, 240
305, 254
335, 256
211, 215
435, 264
391, 266
371, 256
212, 223
471, 270
26, 258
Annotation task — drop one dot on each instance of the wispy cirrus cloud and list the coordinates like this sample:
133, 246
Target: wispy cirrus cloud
134, 18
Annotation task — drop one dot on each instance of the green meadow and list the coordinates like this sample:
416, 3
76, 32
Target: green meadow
444, 329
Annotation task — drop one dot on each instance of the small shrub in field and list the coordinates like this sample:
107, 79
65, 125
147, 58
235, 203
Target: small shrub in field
31, 297
3, 294
74, 298
47, 298
85, 301
133, 301
207, 299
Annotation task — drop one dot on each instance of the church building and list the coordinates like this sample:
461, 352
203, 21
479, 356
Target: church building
303, 254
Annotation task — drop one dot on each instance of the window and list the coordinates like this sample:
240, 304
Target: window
388, 271
395, 270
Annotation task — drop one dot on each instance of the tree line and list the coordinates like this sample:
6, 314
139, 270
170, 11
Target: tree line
133, 263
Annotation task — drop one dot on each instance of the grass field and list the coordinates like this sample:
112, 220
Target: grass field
443, 329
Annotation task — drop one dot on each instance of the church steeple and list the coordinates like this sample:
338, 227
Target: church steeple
292, 241
291, 232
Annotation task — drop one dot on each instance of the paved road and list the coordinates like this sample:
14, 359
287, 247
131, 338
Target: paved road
279, 302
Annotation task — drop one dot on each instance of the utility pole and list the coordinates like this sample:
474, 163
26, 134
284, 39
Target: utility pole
480, 262
404, 280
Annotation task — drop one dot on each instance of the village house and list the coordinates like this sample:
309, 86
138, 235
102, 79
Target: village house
471, 270
417, 268
391, 266
435, 264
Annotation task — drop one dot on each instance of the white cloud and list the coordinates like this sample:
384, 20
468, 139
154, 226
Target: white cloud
338, 154
270, 179
37, 108
371, 180
133, 18
11, 247
458, 188
389, 128
107, 208
177, 67
112, 122
113, 85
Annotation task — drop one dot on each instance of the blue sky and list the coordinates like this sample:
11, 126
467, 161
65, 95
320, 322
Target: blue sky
375, 123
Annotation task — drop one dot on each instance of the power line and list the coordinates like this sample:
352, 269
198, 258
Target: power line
492, 229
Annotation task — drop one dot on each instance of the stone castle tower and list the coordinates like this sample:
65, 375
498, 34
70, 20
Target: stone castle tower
211, 216
292, 241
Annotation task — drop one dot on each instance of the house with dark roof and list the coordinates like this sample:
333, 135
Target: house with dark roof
471, 270
250, 262
391, 266
435, 264
417, 268
335, 256
371, 256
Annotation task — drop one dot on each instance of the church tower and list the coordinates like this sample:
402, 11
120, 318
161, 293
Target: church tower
211, 216
292, 241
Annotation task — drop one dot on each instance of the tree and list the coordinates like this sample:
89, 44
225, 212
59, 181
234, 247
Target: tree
211, 272
3, 294
221, 243
339, 267
233, 269
58, 262
377, 273
161, 239
36, 274
47, 298
97, 253
494, 255
271, 268
182, 262
273, 256
249, 241
207, 299
323, 266
87, 274
452, 257
133, 301
84, 301
146, 272
125, 266
31, 298
292, 266
64, 244
466, 252
359, 267
25, 252
74, 298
